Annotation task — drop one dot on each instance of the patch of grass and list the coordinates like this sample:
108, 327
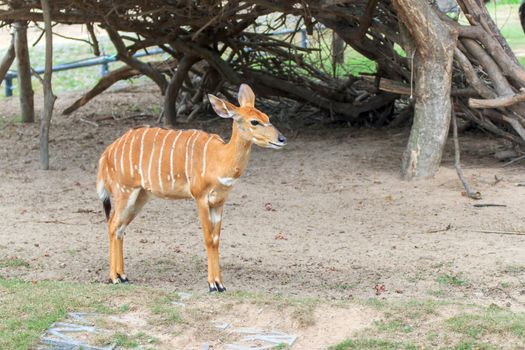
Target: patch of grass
281, 346
28, 309
491, 321
168, 313
128, 341
376, 303
470, 345
372, 344
123, 308
125, 341
396, 326
346, 286
453, 280
514, 269
438, 293
14, 262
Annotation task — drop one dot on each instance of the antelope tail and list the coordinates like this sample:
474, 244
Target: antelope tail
102, 190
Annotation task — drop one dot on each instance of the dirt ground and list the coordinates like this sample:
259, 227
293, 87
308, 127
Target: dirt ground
342, 221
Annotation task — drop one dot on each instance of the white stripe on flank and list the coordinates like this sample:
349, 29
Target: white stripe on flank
171, 160
151, 157
123, 152
186, 161
131, 153
117, 144
140, 157
160, 158
192, 152
204, 156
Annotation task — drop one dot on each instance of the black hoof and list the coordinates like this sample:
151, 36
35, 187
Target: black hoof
123, 279
220, 287
213, 288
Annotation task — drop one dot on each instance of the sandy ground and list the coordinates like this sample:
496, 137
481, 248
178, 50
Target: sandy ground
342, 215
343, 220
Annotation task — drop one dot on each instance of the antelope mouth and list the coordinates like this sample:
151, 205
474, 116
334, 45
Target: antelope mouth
276, 145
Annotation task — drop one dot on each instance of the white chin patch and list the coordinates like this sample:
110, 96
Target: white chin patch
271, 145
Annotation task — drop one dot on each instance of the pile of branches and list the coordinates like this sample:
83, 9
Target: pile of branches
215, 45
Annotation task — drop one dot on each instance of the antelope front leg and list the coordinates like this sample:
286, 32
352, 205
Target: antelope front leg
211, 242
216, 221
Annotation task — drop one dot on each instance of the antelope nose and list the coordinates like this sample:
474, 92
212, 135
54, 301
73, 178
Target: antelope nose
282, 139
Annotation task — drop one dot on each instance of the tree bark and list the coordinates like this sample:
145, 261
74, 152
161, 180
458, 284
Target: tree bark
170, 109
7, 61
433, 41
338, 52
24, 73
49, 97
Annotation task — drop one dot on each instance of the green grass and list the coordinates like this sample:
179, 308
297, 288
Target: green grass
507, 2
28, 309
15, 262
167, 312
514, 269
125, 341
372, 344
128, 341
491, 321
419, 324
452, 280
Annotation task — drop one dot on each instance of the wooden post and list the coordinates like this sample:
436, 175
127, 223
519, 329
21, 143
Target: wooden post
24, 73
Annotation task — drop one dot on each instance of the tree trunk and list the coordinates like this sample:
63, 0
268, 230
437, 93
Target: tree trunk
49, 97
170, 108
24, 73
433, 42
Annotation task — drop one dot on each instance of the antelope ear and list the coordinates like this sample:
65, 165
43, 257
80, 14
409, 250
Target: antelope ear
224, 109
246, 96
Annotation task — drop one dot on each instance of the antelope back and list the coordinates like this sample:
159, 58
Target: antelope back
168, 163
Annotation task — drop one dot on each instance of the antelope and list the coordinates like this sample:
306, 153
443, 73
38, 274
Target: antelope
181, 164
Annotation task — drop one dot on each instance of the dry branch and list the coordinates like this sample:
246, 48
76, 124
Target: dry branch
7, 61
499, 102
457, 162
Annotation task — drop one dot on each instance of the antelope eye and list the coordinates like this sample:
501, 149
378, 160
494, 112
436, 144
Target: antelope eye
255, 122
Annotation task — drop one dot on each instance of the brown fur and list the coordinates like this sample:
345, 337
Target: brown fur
178, 164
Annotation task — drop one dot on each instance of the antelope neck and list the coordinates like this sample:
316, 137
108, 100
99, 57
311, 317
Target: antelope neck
237, 152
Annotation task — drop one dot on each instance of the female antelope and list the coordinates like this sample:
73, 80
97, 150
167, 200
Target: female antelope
177, 164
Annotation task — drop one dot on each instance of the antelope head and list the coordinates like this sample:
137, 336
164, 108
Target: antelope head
253, 125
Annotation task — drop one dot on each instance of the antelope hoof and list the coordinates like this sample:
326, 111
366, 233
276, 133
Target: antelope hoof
220, 287
114, 281
123, 279
216, 287
119, 280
